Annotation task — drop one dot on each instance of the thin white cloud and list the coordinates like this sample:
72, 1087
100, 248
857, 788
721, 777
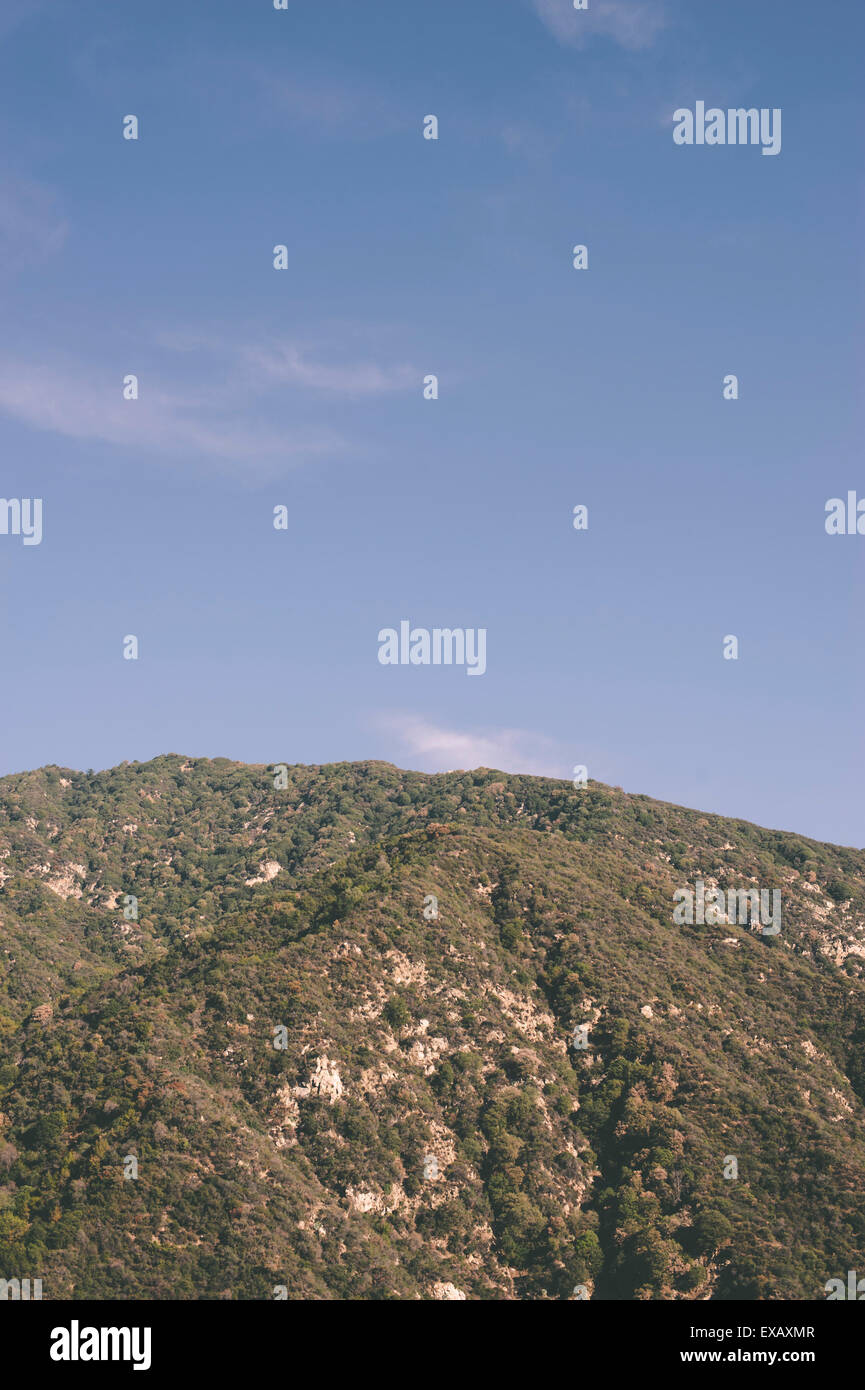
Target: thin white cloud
286, 363
326, 104
445, 750
280, 92
229, 411
275, 363
15, 12
32, 227
633, 24
90, 406
317, 101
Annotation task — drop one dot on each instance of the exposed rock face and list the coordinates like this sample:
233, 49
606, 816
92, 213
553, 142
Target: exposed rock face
530, 1017
66, 884
269, 869
448, 1292
287, 1114
380, 1203
325, 1081
406, 972
426, 1054
373, 1079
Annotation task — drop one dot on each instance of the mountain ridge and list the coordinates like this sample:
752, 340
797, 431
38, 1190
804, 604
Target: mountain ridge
413, 1044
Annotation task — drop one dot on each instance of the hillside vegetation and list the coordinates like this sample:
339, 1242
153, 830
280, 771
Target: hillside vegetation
372, 1034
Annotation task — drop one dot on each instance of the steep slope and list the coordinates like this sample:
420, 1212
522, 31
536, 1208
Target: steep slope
332, 1083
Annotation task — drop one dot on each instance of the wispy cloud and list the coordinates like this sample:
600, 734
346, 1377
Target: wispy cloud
326, 103
633, 24
288, 364
90, 406
31, 224
230, 404
438, 749
261, 365
276, 90
15, 12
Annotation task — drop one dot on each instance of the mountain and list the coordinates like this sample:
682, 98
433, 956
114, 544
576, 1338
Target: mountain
349, 1032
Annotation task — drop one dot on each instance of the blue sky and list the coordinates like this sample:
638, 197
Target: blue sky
303, 387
